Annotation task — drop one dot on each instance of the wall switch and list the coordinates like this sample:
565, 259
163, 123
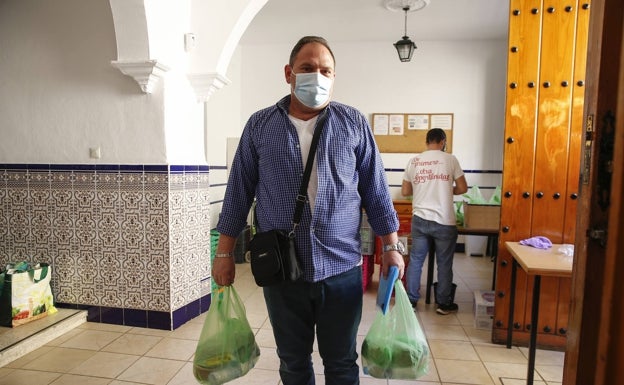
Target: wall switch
95, 153
190, 41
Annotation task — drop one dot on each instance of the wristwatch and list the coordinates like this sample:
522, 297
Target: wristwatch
399, 246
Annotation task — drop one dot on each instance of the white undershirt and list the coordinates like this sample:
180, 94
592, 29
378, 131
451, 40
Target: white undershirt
305, 131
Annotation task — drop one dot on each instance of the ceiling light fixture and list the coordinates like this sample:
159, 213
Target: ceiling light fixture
405, 47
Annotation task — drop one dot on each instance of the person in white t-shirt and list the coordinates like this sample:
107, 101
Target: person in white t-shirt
432, 178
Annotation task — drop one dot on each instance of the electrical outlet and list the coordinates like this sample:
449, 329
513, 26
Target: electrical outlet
95, 153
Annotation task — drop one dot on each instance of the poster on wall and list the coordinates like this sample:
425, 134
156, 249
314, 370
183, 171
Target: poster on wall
443, 121
417, 122
380, 125
396, 125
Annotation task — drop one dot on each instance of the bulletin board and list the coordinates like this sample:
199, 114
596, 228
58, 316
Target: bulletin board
407, 133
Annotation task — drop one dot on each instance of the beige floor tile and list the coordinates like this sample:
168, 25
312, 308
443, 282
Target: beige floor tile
150, 332
188, 331
257, 318
515, 381
264, 338
173, 348
465, 372
500, 353
466, 319
150, 370
60, 360
259, 377
456, 350
132, 344
268, 359
104, 364
4, 371
508, 370
28, 377
478, 336
61, 339
445, 332
550, 373
184, 376
430, 317
432, 372
73, 379
104, 327
23, 360
547, 357
317, 363
91, 339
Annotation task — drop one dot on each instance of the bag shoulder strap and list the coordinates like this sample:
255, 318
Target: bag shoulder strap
303, 190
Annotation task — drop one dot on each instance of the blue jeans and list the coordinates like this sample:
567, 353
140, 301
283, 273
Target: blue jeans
334, 308
444, 238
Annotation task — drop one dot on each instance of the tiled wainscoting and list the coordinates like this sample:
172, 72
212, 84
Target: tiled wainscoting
131, 244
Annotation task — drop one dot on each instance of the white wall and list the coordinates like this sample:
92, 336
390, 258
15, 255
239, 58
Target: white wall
60, 95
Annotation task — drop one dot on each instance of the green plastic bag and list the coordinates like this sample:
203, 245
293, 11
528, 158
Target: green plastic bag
459, 213
495, 199
474, 196
227, 347
395, 346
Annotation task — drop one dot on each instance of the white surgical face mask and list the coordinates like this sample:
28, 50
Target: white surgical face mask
312, 89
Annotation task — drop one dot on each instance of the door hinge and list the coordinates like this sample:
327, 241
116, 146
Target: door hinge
587, 151
598, 234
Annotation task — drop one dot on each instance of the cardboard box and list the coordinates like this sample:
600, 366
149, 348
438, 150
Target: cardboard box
481, 216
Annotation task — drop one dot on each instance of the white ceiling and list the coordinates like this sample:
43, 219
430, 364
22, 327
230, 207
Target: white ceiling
285, 21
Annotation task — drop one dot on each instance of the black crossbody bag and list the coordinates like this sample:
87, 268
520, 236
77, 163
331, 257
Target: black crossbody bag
273, 253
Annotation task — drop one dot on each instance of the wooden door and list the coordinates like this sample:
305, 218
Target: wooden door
543, 135
595, 348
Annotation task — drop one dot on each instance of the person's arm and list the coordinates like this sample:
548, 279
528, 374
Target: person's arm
406, 188
223, 268
460, 186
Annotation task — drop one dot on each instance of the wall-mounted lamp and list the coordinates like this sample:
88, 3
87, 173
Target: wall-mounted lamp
405, 47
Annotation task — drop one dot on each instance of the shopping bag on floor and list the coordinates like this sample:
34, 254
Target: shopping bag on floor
227, 347
395, 346
25, 293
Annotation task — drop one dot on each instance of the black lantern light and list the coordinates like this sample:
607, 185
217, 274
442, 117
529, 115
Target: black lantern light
405, 47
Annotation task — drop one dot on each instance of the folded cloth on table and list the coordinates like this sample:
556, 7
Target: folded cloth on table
539, 242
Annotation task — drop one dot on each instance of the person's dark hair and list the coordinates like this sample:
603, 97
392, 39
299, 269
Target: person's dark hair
306, 40
435, 135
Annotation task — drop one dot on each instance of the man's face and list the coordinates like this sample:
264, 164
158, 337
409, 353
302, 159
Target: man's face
312, 57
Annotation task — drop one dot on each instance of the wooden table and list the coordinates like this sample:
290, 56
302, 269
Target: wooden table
491, 250
536, 262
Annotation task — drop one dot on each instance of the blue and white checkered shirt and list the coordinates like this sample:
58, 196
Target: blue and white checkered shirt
351, 176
